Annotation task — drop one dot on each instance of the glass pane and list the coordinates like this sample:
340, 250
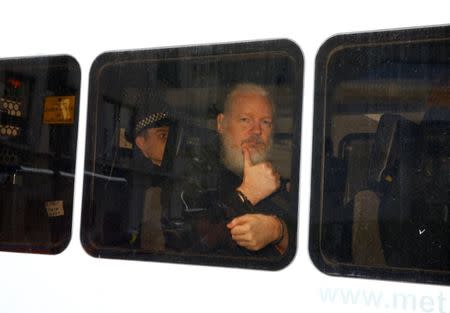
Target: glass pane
380, 190
157, 183
38, 136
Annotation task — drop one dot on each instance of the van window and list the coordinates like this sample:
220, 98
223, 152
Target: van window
164, 178
39, 100
381, 157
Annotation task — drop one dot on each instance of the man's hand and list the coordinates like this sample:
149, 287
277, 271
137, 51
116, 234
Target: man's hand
260, 180
254, 231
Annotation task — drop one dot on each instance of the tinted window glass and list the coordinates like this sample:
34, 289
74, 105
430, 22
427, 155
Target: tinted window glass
157, 186
380, 188
38, 135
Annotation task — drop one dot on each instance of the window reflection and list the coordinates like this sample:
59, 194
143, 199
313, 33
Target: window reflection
383, 149
154, 186
38, 129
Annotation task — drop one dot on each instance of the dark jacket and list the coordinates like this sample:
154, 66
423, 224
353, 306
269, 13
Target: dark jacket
215, 237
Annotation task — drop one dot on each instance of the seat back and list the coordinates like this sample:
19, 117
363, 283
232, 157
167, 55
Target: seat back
373, 216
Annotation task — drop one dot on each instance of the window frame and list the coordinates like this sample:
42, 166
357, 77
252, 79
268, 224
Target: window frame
327, 50
72, 67
282, 47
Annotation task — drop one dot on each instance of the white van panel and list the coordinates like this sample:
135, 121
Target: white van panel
75, 282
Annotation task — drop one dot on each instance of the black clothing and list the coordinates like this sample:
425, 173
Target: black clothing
145, 182
215, 237
201, 197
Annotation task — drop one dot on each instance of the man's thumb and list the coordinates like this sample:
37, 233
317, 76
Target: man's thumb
237, 221
247, 159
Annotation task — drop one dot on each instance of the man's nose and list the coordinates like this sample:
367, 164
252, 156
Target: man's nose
256, 128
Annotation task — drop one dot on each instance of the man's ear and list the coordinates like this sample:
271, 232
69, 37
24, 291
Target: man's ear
220, 123
140, 141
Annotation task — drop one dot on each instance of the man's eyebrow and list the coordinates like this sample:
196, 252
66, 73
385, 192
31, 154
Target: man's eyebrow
251, 113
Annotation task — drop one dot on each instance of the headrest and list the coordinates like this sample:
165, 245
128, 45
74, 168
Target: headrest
395, 136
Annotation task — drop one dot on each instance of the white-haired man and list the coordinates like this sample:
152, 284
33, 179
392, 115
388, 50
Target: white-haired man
248, 181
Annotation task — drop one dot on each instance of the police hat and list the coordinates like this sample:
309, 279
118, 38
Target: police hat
151, 111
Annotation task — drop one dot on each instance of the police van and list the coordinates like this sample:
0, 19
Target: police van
131, 132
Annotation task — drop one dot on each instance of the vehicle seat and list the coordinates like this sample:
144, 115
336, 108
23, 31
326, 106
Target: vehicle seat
430, 224
390, 157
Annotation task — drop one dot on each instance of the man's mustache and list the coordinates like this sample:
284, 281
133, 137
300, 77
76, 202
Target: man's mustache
254, 139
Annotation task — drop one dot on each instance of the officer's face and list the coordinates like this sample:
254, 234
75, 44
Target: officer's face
152, 143
248, 123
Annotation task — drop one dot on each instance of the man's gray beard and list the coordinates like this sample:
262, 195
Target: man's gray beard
233, 159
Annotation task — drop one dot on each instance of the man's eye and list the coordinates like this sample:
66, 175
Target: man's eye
163, 136
267, 122
245, 119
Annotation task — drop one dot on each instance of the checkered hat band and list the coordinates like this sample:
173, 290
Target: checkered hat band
149, 120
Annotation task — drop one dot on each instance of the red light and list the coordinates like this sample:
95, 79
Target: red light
14, 82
